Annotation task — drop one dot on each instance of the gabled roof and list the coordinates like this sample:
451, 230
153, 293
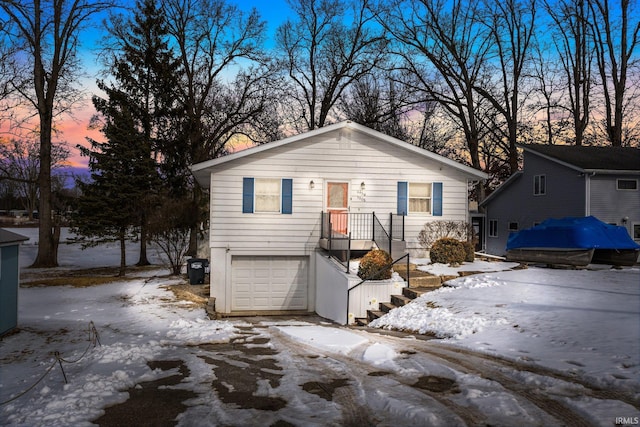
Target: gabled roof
202, 170
501, 187
7, 237
589, 158
586, 159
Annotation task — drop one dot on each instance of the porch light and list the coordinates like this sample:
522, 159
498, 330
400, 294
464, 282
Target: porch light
312, 185
362, 186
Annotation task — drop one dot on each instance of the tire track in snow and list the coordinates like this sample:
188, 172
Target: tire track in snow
354, 400
505, 372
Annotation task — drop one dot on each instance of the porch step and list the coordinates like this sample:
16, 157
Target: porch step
417, 278
374, 314
413, 293
386, 306
400, 300
408, 294
361, 321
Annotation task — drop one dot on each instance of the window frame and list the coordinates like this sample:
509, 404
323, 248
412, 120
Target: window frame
429, 198
256, 195
493, 228
510, 226
540, 185
635, 181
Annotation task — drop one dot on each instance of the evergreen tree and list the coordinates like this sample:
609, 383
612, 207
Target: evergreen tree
140, 102
147, 72
122, 172
137, 120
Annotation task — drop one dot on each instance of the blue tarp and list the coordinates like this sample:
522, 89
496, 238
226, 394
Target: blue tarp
572, 233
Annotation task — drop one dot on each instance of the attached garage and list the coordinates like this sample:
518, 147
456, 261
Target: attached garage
269, 283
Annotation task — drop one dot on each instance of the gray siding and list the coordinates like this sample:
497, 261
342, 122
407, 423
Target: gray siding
611, 205
565, 196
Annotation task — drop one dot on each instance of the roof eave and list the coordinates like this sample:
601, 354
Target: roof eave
202, 173
611, 172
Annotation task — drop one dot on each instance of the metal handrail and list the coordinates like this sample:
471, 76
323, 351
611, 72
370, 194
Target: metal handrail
380, 235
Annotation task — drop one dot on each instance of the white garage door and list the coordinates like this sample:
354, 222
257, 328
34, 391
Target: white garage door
261, 283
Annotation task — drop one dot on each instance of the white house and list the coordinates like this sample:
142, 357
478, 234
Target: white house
277, 207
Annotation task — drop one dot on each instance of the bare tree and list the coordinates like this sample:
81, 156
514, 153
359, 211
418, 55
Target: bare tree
574, 47
49, 32
549, 87
8, 71
379, 102
510, 25
323, 55
444, 47
211, 37
616, 30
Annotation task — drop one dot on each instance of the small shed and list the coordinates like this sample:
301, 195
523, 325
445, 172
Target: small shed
9, 279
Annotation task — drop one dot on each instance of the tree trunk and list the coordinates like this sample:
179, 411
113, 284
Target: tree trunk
123, 254
46, 257
143, 260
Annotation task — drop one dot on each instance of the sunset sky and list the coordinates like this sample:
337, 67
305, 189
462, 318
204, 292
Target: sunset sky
74, 129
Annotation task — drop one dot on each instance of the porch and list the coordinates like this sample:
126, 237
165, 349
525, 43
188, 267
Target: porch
345, 232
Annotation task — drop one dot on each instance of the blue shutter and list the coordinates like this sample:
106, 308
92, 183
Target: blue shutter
287, 196
247, 195
402, 197
437, 199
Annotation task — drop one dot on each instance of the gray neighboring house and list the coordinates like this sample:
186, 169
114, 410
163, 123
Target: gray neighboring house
562, 180
9, 279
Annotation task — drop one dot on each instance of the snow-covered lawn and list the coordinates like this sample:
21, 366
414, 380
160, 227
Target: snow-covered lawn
581, 321
584, 324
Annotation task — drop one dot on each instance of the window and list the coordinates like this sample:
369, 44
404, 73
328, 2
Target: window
493, 228
513, 226
636, 231
539, 185
419, 197
627, 184
267, 195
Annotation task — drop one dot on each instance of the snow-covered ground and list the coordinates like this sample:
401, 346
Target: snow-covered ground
582, 324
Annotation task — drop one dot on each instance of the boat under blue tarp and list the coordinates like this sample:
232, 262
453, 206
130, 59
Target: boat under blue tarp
574, 241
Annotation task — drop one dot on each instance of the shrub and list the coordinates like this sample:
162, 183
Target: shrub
372, 265
447, 251
434, 230
470, 251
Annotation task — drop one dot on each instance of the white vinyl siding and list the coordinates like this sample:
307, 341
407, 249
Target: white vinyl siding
360, 159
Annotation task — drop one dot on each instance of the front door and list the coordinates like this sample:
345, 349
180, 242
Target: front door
338, 206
